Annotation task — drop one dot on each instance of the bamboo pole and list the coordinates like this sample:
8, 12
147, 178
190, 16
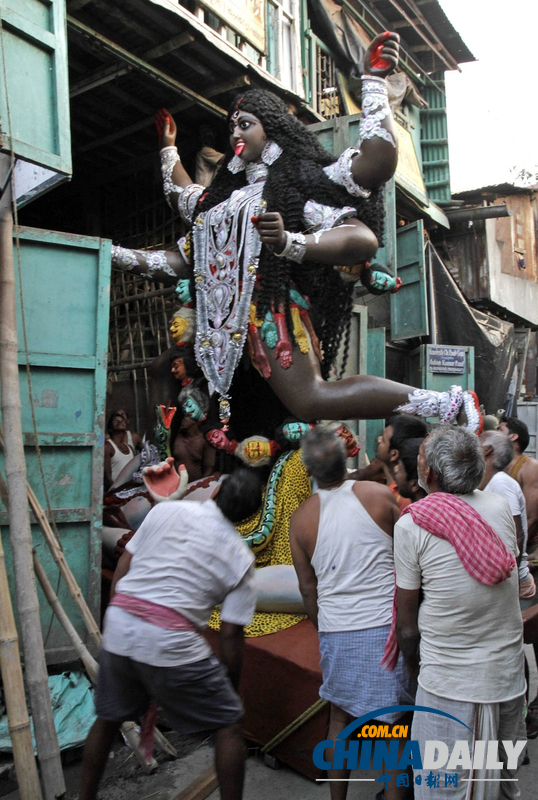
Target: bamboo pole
293, 726
92, 668
90, 664
201, 787
60, 561
91, 625
64, 568
19, 526
17, 710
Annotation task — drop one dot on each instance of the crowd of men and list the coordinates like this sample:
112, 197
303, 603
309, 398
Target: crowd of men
414, 576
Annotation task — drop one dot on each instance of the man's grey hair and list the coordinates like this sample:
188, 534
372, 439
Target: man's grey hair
455, 454
502, 446
324, 455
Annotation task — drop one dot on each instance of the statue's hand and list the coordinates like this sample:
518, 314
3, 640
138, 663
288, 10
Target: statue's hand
166, 128
284, 353
269, 333
163, 482
270, 226
381, 57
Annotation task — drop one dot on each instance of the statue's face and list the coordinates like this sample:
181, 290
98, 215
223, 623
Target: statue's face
256, 450
247, 136
178, 327
178, 369
293, 431
216, 438
348, 437
192, 409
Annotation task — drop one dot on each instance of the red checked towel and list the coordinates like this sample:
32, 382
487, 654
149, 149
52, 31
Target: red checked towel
481, 551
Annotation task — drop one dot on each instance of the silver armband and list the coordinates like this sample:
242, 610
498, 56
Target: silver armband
126, 259
188, 200
169, 158
123, 258
295, 247
156, 262
375, 108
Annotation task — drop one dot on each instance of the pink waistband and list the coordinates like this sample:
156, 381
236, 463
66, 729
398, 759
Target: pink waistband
153, 612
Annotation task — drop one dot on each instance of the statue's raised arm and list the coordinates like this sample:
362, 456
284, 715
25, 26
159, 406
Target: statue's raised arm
377, 156
181, 193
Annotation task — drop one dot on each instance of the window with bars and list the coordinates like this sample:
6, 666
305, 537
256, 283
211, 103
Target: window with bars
327, 92
321, 78
140, 310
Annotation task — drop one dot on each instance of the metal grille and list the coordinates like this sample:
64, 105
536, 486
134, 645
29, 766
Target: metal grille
140, 310
327, 93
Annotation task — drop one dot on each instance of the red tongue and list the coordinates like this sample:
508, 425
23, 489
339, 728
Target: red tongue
239, 148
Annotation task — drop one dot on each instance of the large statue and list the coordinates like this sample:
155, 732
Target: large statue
265, 256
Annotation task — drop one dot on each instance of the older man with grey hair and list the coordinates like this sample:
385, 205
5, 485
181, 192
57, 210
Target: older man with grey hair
458, 621
498, 453
341, 543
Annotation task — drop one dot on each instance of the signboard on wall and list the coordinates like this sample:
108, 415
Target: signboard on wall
247, 17
408, 171
447, 360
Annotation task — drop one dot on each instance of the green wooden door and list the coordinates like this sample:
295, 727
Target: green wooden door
34, 99
35, 64
376, 362
409, 307
65, 294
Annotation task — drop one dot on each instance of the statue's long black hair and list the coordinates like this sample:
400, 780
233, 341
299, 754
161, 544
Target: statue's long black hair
294, 178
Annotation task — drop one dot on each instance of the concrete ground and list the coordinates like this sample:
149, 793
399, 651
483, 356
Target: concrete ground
262, 782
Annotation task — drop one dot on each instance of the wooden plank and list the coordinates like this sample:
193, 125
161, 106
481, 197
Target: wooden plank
121, 54
201, 787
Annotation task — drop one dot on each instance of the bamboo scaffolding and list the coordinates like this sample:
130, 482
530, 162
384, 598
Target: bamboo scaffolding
19, 526
128, 728
60, 561
90, 664
17, 710
92, 668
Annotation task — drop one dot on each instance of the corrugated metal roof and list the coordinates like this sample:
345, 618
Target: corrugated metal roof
114, 98
422, 23
495, 190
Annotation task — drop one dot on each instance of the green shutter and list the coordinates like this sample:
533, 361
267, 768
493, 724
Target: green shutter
409, 307
375, 365
434, 141
35, 113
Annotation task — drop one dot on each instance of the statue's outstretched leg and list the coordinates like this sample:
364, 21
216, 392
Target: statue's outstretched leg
304, 392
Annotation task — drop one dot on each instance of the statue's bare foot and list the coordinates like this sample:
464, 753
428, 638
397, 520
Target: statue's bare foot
164, 482
470, 415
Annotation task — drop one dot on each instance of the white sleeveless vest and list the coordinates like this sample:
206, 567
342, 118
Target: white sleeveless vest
354, 564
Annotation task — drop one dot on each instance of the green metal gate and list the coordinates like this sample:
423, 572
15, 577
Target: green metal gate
409, 307
65, 295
